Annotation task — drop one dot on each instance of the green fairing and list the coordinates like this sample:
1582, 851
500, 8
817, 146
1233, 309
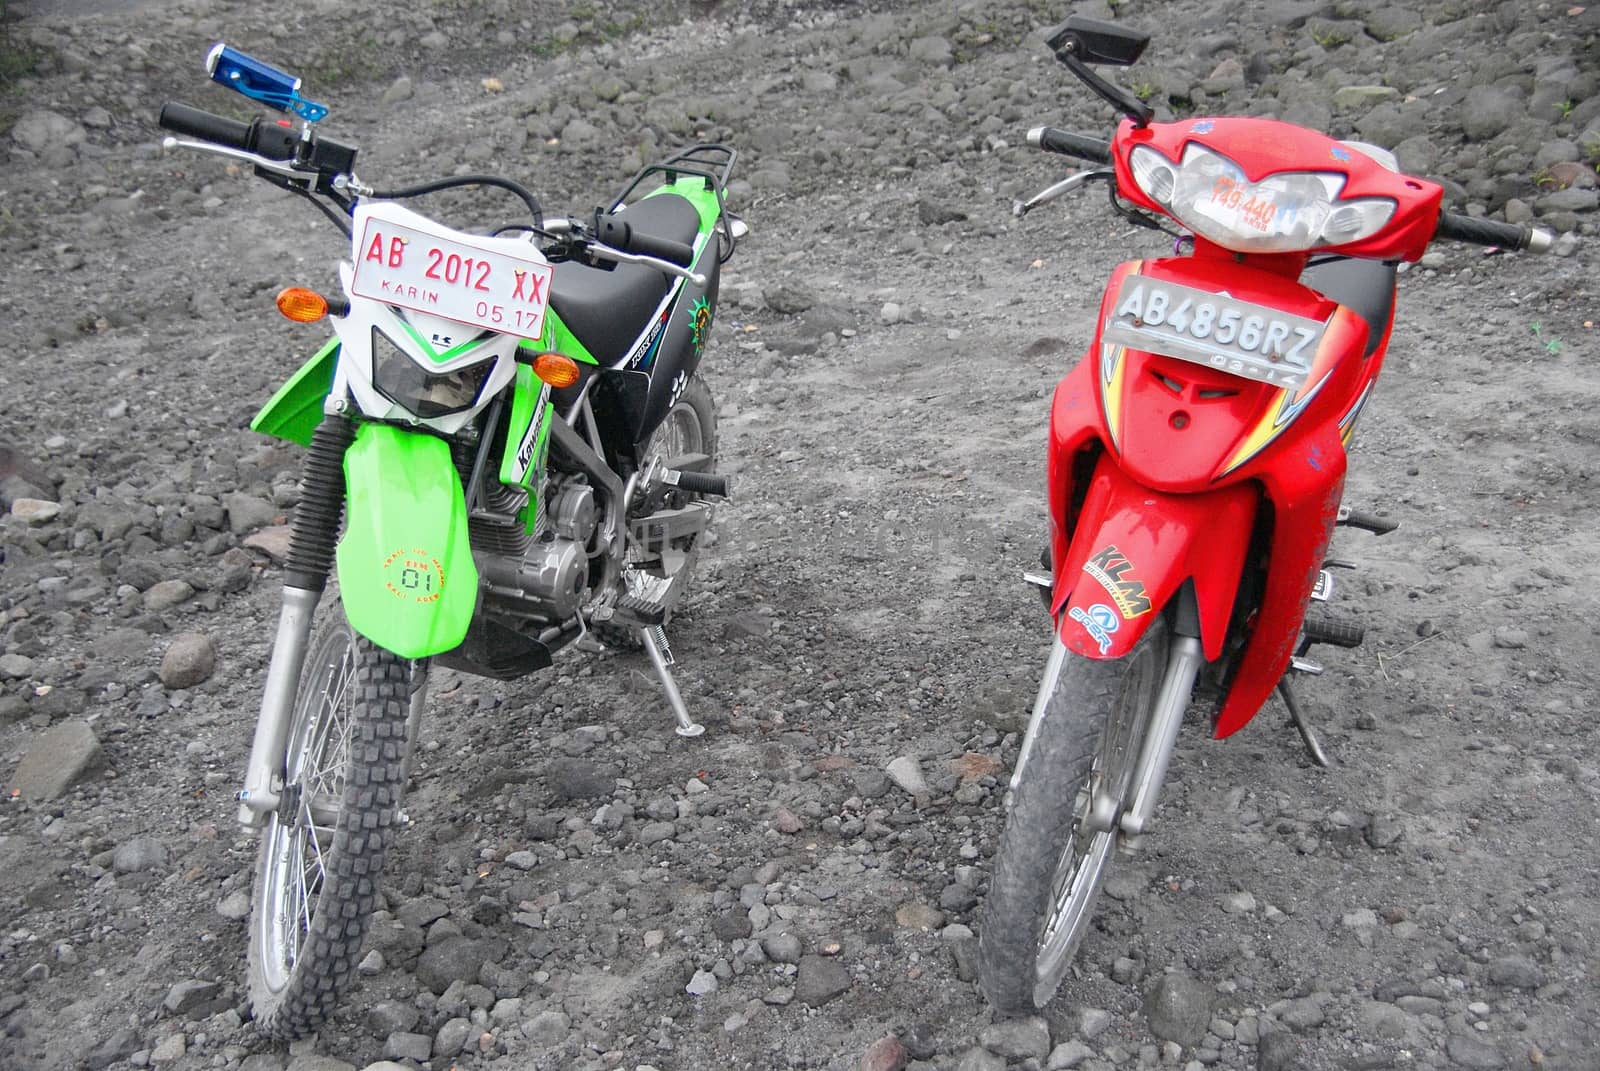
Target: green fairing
557, 338
405, 569
295, 411
525, 410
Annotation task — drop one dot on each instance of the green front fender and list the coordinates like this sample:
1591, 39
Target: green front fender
405, 568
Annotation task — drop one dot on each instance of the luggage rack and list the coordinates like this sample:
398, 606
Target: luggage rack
711, 162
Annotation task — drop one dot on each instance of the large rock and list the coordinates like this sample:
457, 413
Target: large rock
820, 980
455, 959
1179, 1008
57, 760
1017, 1039
40, 130
189, 661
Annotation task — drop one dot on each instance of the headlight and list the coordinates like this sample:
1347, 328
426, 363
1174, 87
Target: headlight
401, 380
1288, 211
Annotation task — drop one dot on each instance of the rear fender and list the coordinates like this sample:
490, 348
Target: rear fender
1133, 548
406, 574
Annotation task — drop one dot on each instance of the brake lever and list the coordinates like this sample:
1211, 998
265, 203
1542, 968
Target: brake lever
279, 167
1066, 185
612, 253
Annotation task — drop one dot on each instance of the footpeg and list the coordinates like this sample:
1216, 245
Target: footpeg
1334, 631
637, 610
700, 483
1366, 521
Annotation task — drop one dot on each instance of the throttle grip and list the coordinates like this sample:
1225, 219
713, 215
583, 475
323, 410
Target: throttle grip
1464, 228
618, 233
262, 138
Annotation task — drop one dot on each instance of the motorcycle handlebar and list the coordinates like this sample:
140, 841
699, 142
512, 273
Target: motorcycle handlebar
1083, 146
616, 232
1463, 228
261, 138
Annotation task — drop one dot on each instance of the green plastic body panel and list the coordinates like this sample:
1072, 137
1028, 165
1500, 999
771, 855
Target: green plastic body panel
406, 574
528, 430
295, 411
559, 338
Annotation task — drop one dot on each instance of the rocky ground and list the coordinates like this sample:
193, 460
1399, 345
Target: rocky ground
582, 889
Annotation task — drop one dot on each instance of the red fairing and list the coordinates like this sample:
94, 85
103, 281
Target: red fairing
1262, 147
1135, 548
1158, 468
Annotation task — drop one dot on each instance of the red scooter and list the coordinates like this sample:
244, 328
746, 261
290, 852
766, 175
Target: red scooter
1197, 460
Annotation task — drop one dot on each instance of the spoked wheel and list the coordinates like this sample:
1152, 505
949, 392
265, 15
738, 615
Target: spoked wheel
1062, 828
322, 851
690, 427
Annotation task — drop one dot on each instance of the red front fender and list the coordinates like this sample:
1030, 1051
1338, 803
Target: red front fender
1132, 548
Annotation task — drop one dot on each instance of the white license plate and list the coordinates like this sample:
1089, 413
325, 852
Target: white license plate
1240, 337
405, 259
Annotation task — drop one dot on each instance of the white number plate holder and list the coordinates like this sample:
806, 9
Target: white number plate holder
405, 259
1254, 341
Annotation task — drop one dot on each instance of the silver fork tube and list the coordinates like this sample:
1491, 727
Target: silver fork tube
1183, 665
258, 798
1047, 687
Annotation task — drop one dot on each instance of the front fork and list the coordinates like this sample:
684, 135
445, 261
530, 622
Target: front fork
1132, 815
311, 546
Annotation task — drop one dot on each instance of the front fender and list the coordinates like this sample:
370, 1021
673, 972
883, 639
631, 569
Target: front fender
406, 574
1133, 548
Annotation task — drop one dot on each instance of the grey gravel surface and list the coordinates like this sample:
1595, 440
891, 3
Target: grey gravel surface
582, 889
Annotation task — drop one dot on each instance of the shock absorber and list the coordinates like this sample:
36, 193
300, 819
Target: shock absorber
321, 508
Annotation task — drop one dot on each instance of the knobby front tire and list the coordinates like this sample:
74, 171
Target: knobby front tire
1048, 868
322, 852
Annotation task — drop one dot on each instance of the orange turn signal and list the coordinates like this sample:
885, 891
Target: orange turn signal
556, 369
302, 305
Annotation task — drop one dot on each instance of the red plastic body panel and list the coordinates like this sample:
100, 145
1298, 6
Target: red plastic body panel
1135, 547
1265, 146
1141, 502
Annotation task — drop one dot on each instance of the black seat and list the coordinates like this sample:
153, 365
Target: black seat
1366, 287
608, 309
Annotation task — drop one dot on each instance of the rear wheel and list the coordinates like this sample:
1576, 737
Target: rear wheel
690, 427
322, 851
1052, 859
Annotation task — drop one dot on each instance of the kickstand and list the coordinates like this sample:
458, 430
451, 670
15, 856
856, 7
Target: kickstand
654, 638
1318, 756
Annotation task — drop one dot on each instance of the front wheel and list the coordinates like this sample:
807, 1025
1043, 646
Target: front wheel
1062, 829
322, 851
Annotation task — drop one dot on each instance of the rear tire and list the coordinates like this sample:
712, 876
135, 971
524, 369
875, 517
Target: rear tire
690, 427
1048, 868
322, 853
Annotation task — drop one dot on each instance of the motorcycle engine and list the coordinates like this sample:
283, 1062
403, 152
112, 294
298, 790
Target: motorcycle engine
550, 575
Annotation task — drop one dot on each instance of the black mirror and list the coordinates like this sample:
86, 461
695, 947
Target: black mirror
1093, 41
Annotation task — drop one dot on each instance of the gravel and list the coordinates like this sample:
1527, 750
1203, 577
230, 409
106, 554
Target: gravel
856, 642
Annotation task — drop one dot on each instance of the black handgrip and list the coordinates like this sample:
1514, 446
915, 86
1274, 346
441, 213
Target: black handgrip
1083, 146
257, 136
700, 483
195, 123
620, 234
1463, 228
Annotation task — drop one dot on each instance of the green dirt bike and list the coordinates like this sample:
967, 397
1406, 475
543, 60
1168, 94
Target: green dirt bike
510, 431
